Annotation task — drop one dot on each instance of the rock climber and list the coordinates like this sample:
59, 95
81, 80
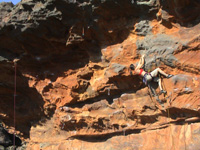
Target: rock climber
147, 77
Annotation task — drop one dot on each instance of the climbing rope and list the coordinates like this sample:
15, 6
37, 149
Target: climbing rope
15, 88
150, 94
83, 32
168, 113
165, 96
83, 21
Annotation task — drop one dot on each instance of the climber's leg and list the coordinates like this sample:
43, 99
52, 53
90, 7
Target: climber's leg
155, 72
157, 79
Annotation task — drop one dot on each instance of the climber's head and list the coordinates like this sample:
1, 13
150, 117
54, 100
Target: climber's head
132, 67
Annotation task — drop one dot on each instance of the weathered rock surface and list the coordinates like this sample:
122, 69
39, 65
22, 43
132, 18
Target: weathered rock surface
74, 89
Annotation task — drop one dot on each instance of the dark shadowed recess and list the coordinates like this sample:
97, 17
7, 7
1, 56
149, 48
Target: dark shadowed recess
105, 137
184, 12
7, 139
28, 102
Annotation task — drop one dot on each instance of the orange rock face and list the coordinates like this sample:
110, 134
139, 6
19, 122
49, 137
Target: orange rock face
74, 87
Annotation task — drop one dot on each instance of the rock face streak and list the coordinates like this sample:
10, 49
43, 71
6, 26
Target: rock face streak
74, 89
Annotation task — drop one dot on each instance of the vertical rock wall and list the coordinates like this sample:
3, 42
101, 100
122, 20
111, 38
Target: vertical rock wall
74, 89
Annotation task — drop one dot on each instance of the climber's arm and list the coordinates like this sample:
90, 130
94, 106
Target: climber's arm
141, 63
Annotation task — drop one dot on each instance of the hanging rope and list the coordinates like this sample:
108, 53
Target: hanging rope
15, 89
83, 32
168, 113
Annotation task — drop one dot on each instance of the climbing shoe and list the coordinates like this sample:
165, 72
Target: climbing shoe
169, 76
163, 92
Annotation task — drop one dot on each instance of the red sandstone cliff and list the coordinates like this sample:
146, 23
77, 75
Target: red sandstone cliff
74, 90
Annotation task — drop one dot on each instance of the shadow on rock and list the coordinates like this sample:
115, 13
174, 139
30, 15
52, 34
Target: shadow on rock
28, 102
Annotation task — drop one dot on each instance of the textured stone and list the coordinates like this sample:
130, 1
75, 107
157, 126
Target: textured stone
184, 11
159, 48
143, 28
74, 88
4, 9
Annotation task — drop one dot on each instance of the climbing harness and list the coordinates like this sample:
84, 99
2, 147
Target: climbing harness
145, 81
